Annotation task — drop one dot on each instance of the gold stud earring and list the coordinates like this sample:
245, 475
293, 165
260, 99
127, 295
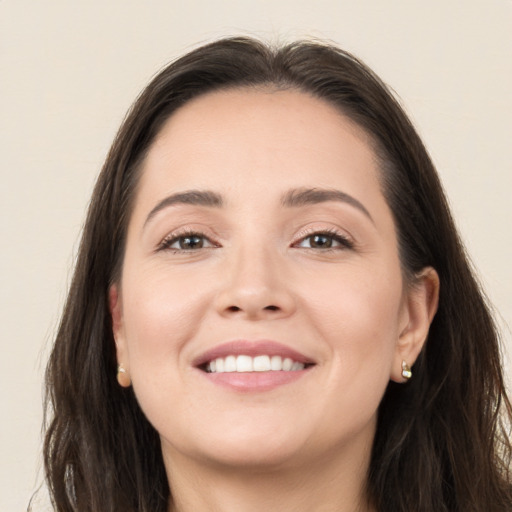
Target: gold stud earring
122, 377
406, 371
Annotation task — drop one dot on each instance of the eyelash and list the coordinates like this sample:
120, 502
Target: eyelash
343, 241
167, 242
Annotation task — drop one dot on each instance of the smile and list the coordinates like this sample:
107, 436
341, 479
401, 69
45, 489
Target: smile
246, 363
253, 366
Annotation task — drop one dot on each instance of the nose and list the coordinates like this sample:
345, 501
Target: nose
256, 286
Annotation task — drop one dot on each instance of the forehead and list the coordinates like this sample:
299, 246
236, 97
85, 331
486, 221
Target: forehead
256, 114
279, 135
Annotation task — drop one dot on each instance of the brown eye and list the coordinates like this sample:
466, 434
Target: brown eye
320, 241
325, 241
190, 242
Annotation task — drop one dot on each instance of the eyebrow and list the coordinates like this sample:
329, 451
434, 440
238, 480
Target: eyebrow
292, 199
192, 197
305, 196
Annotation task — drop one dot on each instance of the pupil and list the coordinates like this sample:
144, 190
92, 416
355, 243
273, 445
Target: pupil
321, 241
191, 242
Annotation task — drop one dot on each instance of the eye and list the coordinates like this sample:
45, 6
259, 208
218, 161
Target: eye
186, 242
325, 240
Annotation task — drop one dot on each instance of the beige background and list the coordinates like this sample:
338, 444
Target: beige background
70, 69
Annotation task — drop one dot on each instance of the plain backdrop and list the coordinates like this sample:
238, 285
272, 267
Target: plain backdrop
70, 69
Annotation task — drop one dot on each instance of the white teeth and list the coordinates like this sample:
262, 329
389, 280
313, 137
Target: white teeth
230, 364
287, 364
276, 363
244, 364
262, 363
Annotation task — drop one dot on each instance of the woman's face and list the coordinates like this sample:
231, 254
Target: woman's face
259, 240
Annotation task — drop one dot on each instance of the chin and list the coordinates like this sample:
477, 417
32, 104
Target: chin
256, 457
243, 447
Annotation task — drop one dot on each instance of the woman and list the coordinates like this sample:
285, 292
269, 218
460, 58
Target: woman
271, 307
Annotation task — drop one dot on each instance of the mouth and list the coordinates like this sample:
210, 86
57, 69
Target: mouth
253, 366
245, 363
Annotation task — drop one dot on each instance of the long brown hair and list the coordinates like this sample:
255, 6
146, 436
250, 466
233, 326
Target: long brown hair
442, 442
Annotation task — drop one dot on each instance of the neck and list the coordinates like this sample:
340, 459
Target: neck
324, 485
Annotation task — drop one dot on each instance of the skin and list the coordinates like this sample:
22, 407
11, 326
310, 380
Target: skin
304, 445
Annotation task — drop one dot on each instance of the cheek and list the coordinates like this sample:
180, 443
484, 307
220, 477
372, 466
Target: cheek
357, 313
161, 312
371, 294
352, 314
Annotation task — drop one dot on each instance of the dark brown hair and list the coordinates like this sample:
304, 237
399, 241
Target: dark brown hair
442, 442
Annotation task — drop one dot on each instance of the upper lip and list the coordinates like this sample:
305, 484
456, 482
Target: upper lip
251, 348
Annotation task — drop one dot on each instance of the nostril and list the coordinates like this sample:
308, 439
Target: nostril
235, 309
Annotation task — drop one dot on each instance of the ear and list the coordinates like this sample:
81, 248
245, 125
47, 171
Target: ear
116, 313
420, 305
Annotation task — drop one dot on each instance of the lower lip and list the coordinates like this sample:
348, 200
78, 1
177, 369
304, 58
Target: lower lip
253, 382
